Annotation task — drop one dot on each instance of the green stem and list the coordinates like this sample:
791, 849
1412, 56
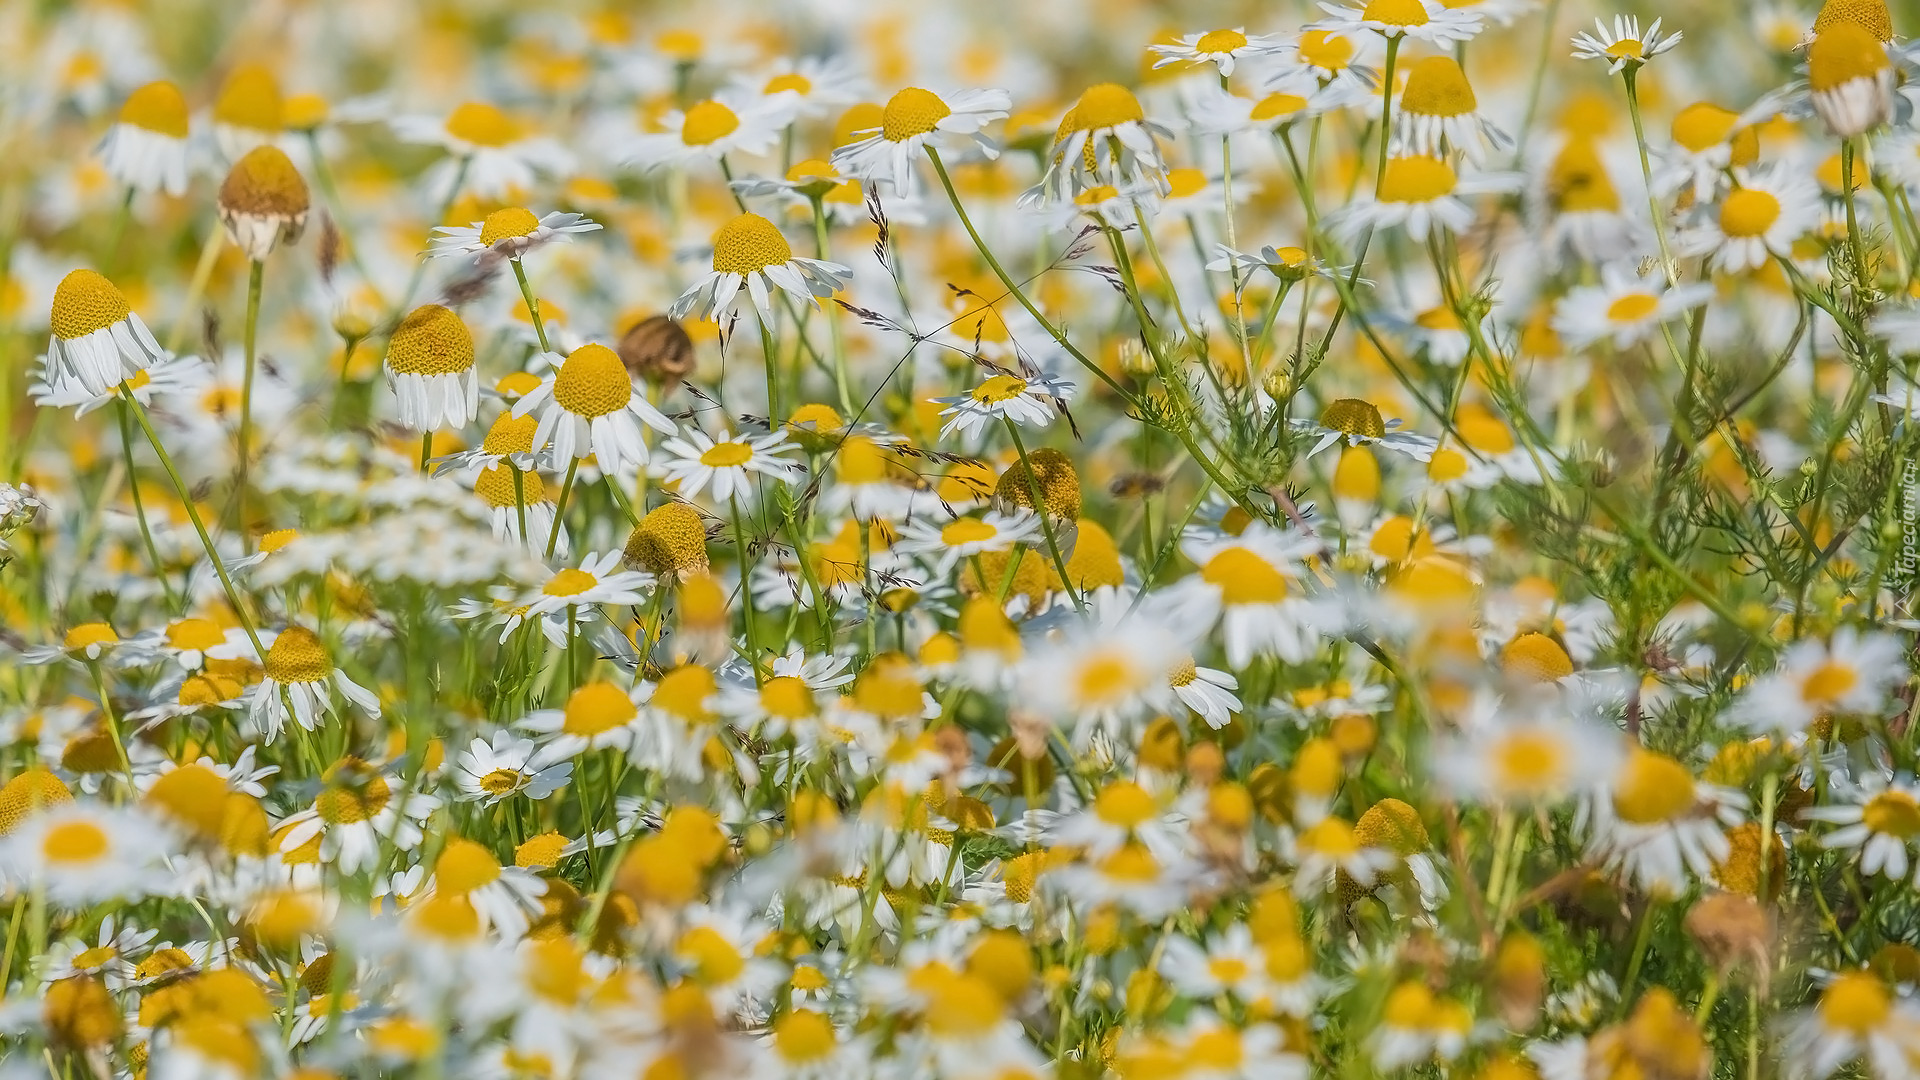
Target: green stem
560, 506
533, 306
1667, 268
1040, 508
140, 509
250, 332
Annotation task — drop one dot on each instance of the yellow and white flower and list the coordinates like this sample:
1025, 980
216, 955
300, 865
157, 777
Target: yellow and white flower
1422, 20
1221, 48
84, 853
147, 147
1623, 309
587, 408
299, 664
915, 119
1622, 44
431, 371
725, 467
750, 252
509, 233
1768, 209
98, 341
708, 131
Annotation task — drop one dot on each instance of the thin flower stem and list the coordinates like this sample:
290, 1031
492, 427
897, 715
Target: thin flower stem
560, 506
1667, 267
245, 451
821, 249
520, 503
1040, 508
140, 509
533, 305
769, 351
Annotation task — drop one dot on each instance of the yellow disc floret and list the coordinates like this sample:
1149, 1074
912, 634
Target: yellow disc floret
1871, 15
1748, 212
85, 301
708, 122
250, 98
264, 183
158, 107
1437, 87
1416, 179
593, 382
1395, 13
911, 112
431, 340
749, 244
298, 656
671, 539
495, 485
1053, 473
510, 223
1843, 52
1354, 418
482, 124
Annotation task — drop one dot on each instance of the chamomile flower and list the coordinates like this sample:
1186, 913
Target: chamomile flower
1417, 193
1103, 679
1249, 585
1105, 140
1858, 1016
1330, 847
807, 88
915, 119
496, 156
98, 341
489, 772
431, 371
1880, 818
597, 715
1422, 20
169, 377
750, 253
597, 580
299, 670
1525, 759
708, 131
587, 408
1330, 59
1212, 110
147, 147
1221, 48
84, 853
1209, 692
1438, 112
509, 233
520, 508
1657, 825
1623, 44
1707, 141
263, 202
945, 544
727, 467
1851, 674
360, 808
1623, 309
1357, 422
1230, 964
1850, 79
187, 641
1029, 399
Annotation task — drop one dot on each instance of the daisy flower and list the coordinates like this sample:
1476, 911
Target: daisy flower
1438, 113
1330, 59
170, 376
728, 464
1212, 110
298, 663
84, 853
1217, 47
1329, 847
1657, 825
1423, 20
1231, 964
1850, 79
1247, 584
1029, 399
263, 202
1767, 210
431, 371
509, 233
1526, 759
1858, 1016
708, 131
965, 537
915, 118
1209, 692
110, 956
489, 772
1707, 141
598, 715
597, 580
1131, 878
1420, 194
498, 156
1623, 309
749, 252
1106, 679
188, 641
1104, 140
360, 808
98, 341
1357, 422
1851, 674
146, 149
809, 87
588, 408
1880, 817
1286, 263
1622, 45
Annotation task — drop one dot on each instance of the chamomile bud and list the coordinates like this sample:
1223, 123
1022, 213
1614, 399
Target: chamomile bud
263, 202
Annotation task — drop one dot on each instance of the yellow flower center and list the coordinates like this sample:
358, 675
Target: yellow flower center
1829, 682
1703, 125
495, 486
727, 455
1843, 52
264, 183
195, 634
85, 302
1529, 763
353, 793
1244, 577
510, 223
1447, 465
464, 866
707, 123
431, 340
1107, 678
1625, 49
1125, 804
1535, 657
593, 382
545, 849
803, 1035
998, 389
1220, 41
967, 530
1578, 180
596, 708
30, 791
1184, 182
1652, 788
569, 582
482, 124
74, 842
520, 384
792, 80
89, 634
1872, 15
1748, 212
511, 434
1894, 813
1106, 105
1277, 105
1395, 12
1437, 87
749, 244
1332, 837
1416, 179
911, 112
1325, 50
158, 107
1354, 418
1484, 431
502, 781
1856, 1003
670, 539
1632, 307
297, 656
787, 697
684, 691
250, 98
304, 112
